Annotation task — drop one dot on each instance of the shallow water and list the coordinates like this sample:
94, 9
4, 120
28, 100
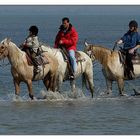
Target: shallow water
64, 113
102, 115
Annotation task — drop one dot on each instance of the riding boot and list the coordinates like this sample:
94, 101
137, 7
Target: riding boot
72, 76
38, 69
132, 75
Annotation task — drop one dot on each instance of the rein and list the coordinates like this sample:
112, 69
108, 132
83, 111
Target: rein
115, 45
4, 58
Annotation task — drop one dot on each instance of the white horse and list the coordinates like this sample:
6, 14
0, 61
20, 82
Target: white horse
23, 72
85, 68
113, 68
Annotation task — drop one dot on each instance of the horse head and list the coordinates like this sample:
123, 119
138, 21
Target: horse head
88, 50
3, 48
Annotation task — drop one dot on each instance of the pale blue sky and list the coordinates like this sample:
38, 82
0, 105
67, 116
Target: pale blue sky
93, 10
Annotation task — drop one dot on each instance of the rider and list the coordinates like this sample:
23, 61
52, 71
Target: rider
31, 46
131, 42
67, 38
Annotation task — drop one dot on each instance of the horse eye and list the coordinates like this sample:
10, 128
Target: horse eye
2, 47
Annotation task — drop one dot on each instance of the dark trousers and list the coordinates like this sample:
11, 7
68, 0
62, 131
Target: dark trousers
129, 65
129, 61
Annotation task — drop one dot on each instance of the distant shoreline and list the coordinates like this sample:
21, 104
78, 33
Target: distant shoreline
70, 9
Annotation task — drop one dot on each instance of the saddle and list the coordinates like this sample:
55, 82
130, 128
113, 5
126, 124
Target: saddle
128, 69
79, 57
67, 59
38, 61
41, 60
135, 59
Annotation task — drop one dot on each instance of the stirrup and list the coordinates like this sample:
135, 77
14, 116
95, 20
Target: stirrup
66, 60
71, 77
38, 69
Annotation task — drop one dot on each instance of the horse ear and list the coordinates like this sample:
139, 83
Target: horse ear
86, 44
8, 40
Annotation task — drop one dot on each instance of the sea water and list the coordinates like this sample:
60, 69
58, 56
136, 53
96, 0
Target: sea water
65, 114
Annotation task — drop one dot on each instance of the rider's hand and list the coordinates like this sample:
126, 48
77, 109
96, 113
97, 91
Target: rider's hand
60, 42
119, 42
131, 51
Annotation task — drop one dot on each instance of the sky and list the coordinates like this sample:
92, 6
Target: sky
71, 9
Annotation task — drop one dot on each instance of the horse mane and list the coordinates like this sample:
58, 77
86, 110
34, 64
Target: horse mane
15, 54
101, 53
12, 45
45, 47
102, 48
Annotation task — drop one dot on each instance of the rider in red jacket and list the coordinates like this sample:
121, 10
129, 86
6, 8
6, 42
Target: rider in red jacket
68, 37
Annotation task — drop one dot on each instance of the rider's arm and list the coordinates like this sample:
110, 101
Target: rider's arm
131, 51
72, 40
122, 40
32, 42
28, 42
137, 46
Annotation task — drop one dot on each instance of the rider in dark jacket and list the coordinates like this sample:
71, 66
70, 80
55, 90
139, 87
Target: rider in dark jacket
131, 42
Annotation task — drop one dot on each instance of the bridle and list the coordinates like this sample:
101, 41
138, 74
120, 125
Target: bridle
2, 50
90, 54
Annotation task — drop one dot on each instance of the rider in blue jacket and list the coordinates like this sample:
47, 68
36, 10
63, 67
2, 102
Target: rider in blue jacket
131, 42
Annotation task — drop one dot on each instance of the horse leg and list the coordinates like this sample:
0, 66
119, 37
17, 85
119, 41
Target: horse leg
120, 82
30, 89
89, 78
54, 81
73, 87
49, 82
60, 81
109, 86
17, 88
46, 83
108, 82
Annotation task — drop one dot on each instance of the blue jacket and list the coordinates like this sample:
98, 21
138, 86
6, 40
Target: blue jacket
130, 40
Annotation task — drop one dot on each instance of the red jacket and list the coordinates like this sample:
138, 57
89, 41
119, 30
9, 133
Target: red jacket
69, 38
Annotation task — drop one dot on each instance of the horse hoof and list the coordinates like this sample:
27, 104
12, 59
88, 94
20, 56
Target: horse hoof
136, 92
17, 98
31, 96
34, 98
124, 95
